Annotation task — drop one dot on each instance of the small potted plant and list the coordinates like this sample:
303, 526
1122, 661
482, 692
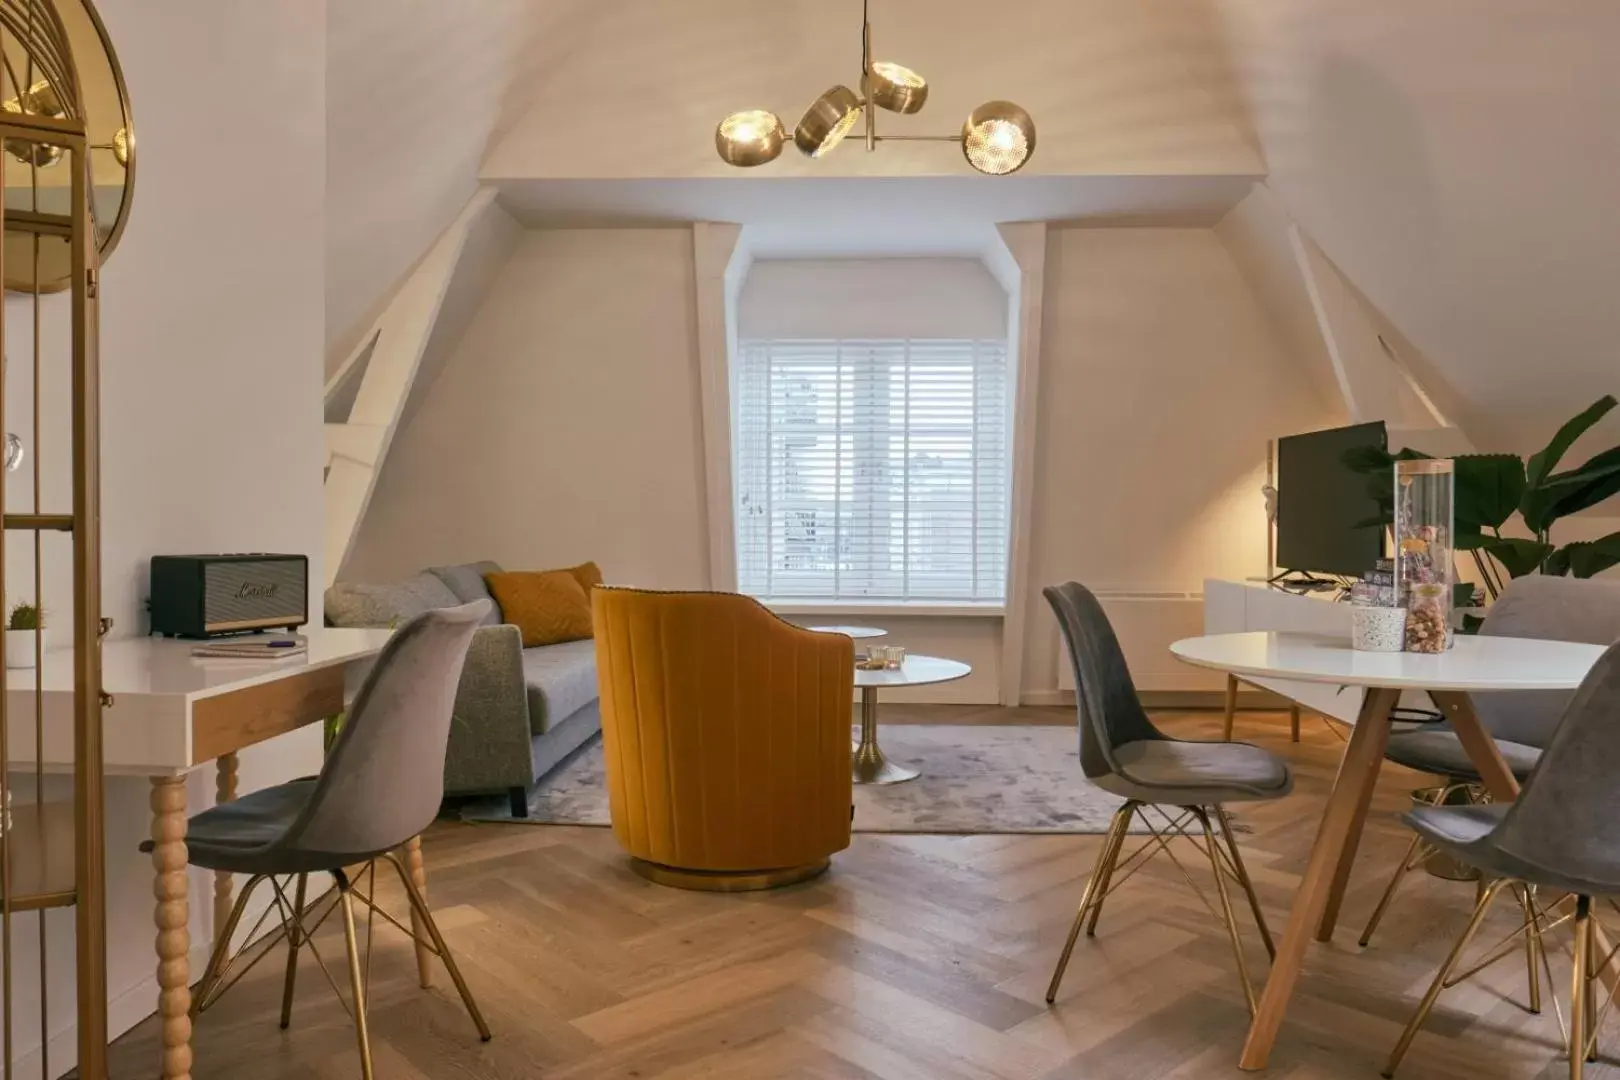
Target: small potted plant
21, 625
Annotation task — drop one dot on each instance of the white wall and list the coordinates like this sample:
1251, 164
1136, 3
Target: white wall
416, 89
1161, 381
211, 348
566, 427
938, 297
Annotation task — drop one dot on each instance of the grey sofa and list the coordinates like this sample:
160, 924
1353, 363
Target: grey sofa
519, 712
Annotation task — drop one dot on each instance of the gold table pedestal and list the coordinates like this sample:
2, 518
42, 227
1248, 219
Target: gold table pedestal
869, 766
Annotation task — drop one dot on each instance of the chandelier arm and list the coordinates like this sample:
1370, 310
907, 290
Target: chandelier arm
919, 138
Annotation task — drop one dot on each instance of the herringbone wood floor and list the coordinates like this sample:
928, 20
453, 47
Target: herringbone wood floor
916, 958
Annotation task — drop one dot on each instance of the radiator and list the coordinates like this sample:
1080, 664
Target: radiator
1146, 623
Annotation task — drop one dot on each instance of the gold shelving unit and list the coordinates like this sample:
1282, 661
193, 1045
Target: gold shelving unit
66, 174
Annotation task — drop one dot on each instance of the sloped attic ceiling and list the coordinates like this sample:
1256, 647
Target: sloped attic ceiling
634, 88
1458, 161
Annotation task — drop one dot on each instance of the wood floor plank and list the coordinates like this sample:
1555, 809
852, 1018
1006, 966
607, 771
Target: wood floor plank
916, 958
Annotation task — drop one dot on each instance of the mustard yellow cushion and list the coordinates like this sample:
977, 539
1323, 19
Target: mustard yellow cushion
548, 606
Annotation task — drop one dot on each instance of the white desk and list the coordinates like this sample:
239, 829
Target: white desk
1473, 664
170, 713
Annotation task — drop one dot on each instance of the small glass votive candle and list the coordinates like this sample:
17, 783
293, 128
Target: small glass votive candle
895, 657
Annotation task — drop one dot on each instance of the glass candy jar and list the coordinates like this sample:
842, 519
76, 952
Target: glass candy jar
1423, 551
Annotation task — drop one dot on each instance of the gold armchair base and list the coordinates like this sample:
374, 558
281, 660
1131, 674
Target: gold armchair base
728, 880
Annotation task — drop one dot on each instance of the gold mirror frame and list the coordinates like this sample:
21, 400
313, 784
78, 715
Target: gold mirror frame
106, 109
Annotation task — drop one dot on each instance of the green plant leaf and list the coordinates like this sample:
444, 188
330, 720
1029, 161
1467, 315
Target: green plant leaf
1542, 464
1595, 482
1470, 540
1472, 623
1588, 558
1518, 556
1557, 564
1488, 489
1368, 459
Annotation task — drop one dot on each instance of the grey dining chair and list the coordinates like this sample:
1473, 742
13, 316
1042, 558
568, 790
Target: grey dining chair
1123, 753
1562, 833
1521, 723
381, 786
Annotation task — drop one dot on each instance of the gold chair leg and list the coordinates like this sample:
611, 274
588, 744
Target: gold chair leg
1293, 723
1226, 905
295, 940
1100, 871
1231, 708
1117, 842
1578, 987
1532, 943
1225, 821
1408, 861
419, 906
356, 980
219, 960
1440, 978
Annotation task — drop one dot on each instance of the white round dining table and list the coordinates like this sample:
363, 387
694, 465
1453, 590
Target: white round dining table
1475, 664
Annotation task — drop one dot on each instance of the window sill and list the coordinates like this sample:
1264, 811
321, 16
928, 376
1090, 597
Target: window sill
970, 609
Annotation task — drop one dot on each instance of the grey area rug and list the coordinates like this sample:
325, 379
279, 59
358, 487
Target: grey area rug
975, 779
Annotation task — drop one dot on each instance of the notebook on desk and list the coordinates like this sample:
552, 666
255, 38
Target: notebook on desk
259, 649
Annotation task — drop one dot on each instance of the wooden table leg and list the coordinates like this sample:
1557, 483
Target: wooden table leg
418, 872
224, 880
1231, 707
1347, 855
170, 889
1293, 722
1358, 772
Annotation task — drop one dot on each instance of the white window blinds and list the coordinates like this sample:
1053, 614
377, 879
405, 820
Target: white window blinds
871, 469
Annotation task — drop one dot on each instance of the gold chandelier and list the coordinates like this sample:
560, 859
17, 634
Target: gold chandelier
997, 138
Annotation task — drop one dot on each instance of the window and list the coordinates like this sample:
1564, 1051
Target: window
871, 469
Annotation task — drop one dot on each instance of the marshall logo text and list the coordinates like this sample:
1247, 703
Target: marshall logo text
257, 590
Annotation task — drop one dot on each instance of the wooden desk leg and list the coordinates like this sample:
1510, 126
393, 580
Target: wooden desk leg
1293, 723
224, 881
1358, 771
418, 872
170, 887
1231, 707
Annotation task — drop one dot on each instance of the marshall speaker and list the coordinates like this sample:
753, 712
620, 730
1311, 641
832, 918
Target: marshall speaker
200, 596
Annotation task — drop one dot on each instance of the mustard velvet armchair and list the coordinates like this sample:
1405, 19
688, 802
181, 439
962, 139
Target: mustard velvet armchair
726, 735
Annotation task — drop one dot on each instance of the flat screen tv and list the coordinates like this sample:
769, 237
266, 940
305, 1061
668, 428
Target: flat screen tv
1322, 506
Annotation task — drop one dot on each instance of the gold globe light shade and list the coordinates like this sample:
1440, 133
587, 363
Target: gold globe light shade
896, 88
998, 138
748, 138
38, 100
825, 123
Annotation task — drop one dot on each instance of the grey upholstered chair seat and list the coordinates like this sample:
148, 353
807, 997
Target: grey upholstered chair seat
242, 836
1465, 832
1438, 750
1196, 773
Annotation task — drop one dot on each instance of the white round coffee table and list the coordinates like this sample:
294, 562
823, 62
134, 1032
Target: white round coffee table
869, 766
856, 632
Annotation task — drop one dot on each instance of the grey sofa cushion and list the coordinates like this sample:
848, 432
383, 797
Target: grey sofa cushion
467, 582
355, 604
561, 680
